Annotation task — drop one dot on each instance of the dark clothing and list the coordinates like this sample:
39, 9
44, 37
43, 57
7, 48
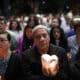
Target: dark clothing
27, 43
75, 67
14, 69
62, 43
75, 70
33, 68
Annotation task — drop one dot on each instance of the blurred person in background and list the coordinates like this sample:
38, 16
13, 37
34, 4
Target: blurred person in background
3, 28
75, 65
55, 22
33, 20
15, 27
25, 41
66, 24
57, 37
74, 41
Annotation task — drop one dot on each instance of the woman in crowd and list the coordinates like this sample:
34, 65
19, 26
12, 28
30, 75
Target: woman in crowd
57, 37
25, 41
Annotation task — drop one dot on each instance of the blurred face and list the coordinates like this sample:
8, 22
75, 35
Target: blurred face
56, 33
55, 22
29, 33
14, 25
4, 43
41, 39
2, 25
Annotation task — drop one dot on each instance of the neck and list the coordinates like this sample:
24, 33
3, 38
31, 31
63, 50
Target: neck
43, 51
3, 54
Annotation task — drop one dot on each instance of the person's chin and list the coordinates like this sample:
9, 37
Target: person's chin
43, 47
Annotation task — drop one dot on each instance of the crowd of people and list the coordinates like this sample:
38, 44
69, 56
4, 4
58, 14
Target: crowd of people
25, 39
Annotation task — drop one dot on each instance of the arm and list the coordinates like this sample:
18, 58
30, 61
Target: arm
28, 72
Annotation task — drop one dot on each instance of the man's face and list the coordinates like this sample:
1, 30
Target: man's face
2, 25
41, 39
4, 43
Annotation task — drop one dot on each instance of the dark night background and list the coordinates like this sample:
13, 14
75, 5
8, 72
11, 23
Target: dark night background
10, 7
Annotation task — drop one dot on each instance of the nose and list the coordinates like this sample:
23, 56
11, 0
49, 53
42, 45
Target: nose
56, 33
42, 38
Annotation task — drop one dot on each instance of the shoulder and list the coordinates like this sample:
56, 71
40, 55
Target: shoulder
60, 52
11, 33
14, 62
29, 52
56, 48
72, 37
14, 58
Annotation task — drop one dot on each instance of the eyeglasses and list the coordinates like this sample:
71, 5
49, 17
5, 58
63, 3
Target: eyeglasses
3, 40
2, 23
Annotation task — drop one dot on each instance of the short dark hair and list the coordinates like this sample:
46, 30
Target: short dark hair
8, 35
2, 19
